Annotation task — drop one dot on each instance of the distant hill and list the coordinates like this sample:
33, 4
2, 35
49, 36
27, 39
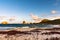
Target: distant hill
46, 21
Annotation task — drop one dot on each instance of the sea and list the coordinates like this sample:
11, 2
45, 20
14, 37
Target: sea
11, 26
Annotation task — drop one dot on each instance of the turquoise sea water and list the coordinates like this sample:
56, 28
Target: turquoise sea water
10, 26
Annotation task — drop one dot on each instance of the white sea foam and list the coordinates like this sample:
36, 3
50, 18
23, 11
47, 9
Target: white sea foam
56, 25
25, 27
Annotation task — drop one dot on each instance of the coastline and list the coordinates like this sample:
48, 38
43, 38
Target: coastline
29, 33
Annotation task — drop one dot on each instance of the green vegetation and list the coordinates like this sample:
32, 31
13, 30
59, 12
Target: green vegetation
24, 22
46, 21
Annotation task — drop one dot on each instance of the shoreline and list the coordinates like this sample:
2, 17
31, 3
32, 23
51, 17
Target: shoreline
29, 34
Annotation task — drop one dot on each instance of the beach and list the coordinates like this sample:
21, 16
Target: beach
30, 34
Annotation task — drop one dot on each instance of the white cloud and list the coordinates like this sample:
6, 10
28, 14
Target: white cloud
35, 18
54, 17
53, 11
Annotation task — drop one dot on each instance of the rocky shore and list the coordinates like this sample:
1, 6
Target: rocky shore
30, 34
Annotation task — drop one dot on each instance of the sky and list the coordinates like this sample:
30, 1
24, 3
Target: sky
20, 10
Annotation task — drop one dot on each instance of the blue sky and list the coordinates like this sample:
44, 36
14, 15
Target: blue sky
23, 8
